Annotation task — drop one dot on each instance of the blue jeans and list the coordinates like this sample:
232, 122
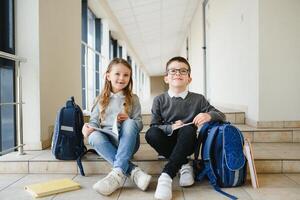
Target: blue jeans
118, 153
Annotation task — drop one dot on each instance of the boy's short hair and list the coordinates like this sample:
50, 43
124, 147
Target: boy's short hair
178, 59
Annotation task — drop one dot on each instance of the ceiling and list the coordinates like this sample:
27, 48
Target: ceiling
156, 29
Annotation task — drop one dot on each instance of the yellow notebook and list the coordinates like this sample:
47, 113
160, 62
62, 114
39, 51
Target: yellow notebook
52, 187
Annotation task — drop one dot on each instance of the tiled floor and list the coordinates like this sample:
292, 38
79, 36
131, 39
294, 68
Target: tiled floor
273, 187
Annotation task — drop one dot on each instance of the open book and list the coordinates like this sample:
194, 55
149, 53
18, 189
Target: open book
114, 132
183, 125
52, 187
249, 155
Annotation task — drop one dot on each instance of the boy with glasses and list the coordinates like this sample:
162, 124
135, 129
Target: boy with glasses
169, 133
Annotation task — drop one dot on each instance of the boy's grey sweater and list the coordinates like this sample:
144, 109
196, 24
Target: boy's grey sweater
167, 110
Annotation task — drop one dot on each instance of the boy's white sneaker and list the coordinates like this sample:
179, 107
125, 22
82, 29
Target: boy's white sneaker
110, 183
186, 175
164, 187
140, 178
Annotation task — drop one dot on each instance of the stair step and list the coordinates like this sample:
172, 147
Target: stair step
235, 117
269, 158
257, 134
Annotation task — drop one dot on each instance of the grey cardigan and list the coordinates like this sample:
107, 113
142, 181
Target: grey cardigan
114, 107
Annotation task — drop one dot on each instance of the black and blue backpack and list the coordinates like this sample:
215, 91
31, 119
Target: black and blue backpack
223, 161
67, 141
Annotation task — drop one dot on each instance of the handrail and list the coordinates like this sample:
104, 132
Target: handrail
19, 102
9, 56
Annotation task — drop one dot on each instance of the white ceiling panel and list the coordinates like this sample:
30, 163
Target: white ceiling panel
156, 29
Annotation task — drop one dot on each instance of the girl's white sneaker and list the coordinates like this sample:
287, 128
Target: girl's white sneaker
140, 178
110, 183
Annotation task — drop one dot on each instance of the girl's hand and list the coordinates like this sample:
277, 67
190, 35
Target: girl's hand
177, 124
201, 118
87, 130
122, 117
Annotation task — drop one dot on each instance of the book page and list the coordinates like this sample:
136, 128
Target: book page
181, 126
249, 155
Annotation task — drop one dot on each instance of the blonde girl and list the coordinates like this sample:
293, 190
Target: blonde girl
117, 103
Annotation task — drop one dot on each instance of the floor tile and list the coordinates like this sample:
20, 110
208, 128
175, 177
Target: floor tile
274, 187
13, 156
294, 177
205, 191
16, 190
8, 179
130, 190
86, 192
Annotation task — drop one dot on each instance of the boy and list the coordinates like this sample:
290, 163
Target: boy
167, 136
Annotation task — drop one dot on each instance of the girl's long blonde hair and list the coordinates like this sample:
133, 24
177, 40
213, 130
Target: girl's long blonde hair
103, 98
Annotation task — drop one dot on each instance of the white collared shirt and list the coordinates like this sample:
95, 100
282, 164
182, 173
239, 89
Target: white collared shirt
182, 94
118, 94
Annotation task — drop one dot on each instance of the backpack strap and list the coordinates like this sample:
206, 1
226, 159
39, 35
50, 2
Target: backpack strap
208, 162
202, 134
79, 162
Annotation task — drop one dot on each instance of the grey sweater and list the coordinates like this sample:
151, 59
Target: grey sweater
115, 106
167, 110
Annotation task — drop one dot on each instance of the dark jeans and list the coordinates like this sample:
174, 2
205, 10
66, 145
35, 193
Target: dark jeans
176, 147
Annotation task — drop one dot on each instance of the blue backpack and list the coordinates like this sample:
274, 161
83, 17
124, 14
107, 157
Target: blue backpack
67, 142
223, 161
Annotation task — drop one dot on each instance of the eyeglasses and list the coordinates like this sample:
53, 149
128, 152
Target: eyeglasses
182, 71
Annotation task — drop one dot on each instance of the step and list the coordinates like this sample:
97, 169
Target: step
257, 134
235, 117
269, 158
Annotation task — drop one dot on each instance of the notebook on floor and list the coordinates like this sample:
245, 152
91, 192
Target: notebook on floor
52, 187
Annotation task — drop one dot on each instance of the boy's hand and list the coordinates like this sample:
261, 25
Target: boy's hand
201, 118
122, 117
177, 124
87, 130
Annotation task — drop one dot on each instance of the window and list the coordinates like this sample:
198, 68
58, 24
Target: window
113, 48
120, 52
91, 59
7, 73
129, 60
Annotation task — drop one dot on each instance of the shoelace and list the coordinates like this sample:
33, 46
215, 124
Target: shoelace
136, 175
185, 170
112, 180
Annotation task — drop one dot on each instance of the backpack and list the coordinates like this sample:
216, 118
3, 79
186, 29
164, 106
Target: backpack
223, 161
67, 141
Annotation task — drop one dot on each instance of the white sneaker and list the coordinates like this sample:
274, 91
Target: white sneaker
164, 187
186, 175
110, 183
140, 178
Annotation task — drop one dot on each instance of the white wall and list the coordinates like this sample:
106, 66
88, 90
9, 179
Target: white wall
232, 54
279, 31
49, 36
27, 46
195, 40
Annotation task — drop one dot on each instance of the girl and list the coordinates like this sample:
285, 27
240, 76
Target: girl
117, 103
